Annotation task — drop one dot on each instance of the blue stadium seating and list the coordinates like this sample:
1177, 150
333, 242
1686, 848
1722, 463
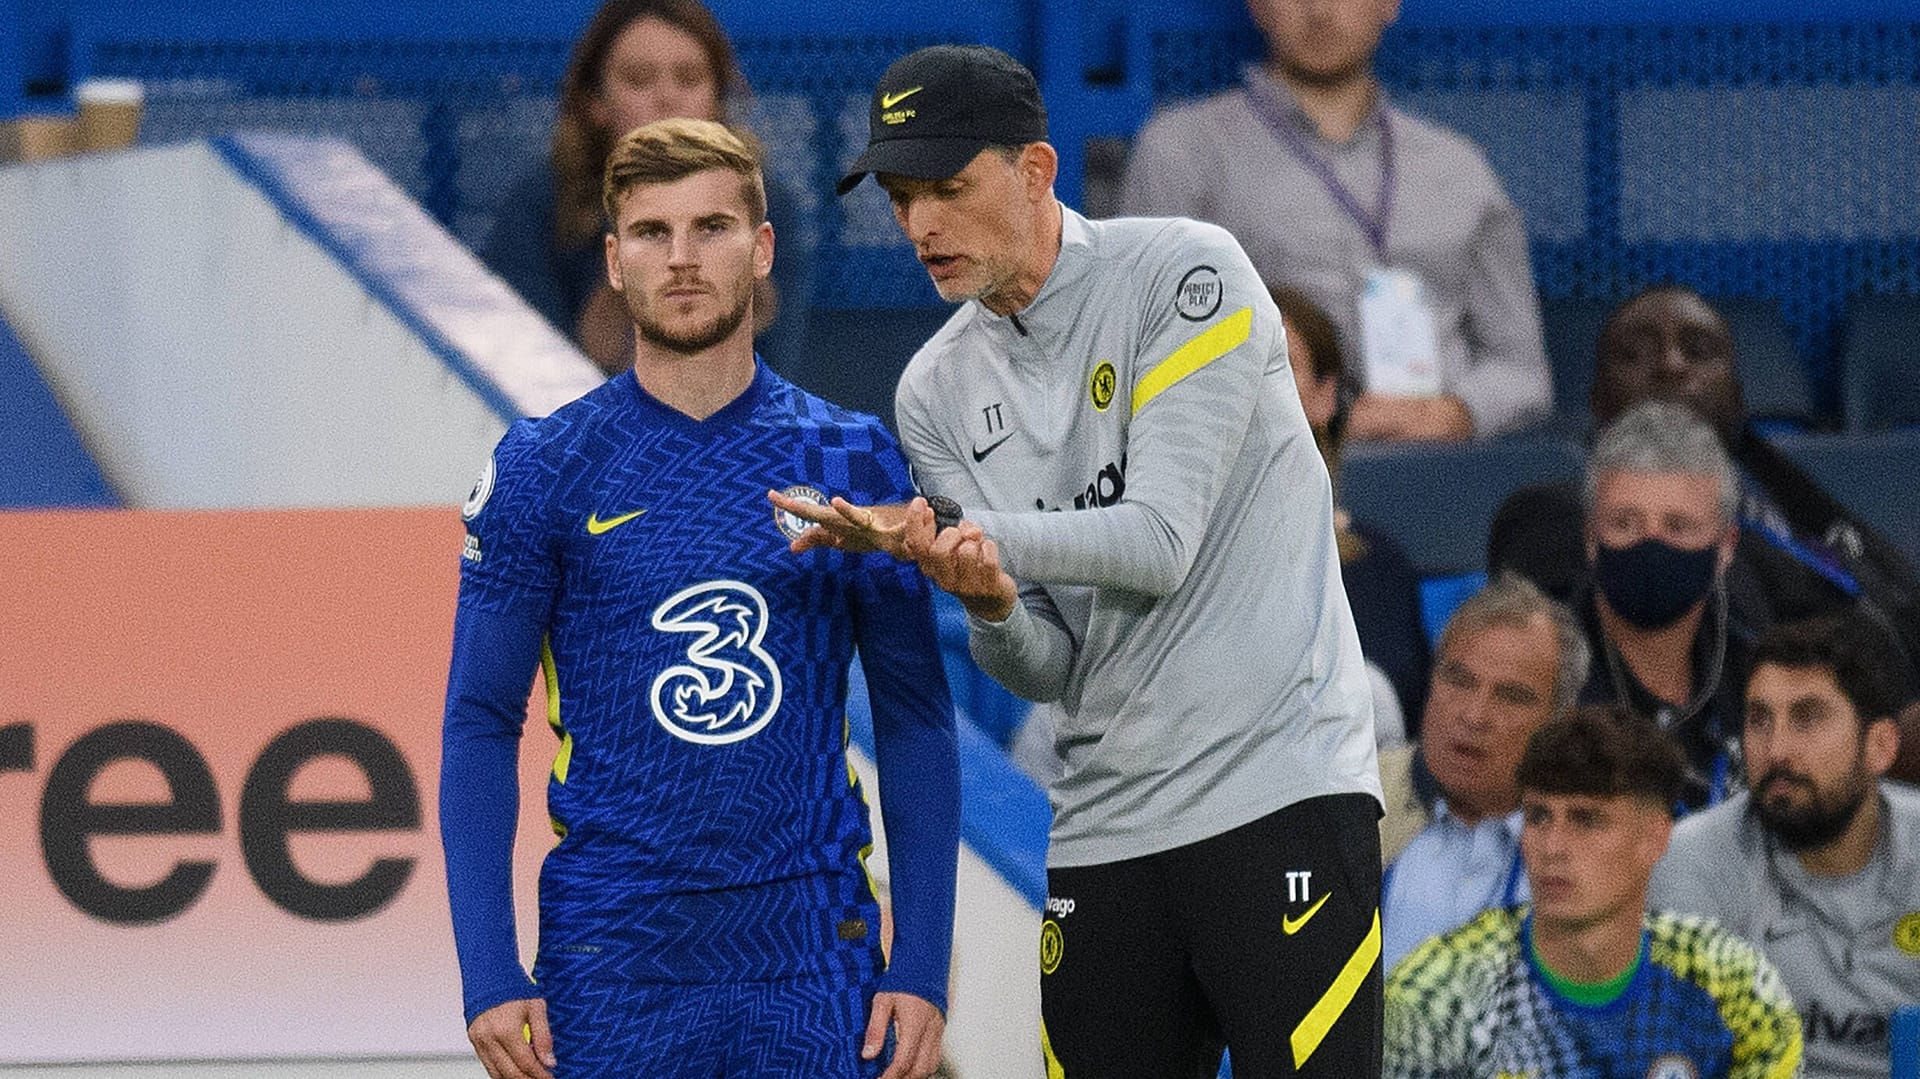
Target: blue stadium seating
854, 357
1876, 475
1438, 500
1771, 373
1571, 325
1880, 363
1771, 198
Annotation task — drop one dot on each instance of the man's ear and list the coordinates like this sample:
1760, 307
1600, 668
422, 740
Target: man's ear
614, 280
763, 250
1728, 543
1659, 832
1039, 166
1882, 745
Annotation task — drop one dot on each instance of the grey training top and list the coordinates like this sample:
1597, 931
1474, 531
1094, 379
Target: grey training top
1451, 223
1186, 609
1848, 948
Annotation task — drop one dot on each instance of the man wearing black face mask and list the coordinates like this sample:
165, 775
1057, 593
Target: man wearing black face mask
1662, 500
1801, 553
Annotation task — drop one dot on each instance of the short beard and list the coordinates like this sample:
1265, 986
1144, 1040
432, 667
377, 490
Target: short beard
697, 340
1819, 824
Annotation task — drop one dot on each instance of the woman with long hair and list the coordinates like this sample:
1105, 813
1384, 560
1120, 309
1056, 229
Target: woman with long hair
637, 61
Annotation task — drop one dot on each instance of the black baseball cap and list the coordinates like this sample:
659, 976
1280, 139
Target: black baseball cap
936, 108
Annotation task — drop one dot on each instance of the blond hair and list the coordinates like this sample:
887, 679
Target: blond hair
666, 151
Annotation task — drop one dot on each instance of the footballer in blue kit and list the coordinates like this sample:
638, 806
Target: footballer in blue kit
706, 911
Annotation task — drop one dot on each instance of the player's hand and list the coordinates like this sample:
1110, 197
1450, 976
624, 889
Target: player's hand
843, 526
513, 1040
963, 562
918, 1027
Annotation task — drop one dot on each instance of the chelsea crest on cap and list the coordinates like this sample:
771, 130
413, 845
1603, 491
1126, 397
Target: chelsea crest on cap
938, 107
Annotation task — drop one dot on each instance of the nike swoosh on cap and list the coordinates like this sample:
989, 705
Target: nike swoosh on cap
888, 101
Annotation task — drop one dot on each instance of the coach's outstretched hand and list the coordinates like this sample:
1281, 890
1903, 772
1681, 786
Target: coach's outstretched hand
918, 1027
513, 1040
844, 526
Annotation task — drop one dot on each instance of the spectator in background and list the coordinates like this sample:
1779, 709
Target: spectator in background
1397, 227
1661, 501
1819, 861
637, 61
1381, 585
1510, 660
1800, 552
1585, 981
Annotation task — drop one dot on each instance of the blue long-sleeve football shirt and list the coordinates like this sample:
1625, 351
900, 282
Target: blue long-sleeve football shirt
696, 673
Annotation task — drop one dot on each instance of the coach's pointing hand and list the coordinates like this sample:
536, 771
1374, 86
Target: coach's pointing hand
513, 1040
918, 1027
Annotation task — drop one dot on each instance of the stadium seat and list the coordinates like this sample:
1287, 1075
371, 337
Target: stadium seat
1571, 325
1871, 474
1771, 372
854, 356
1438, 499
1878, 384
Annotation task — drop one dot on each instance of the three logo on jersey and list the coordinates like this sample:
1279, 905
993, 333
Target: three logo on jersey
728, 688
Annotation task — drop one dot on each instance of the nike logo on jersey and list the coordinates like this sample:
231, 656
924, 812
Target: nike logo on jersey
1290, 926
598, 527
980, 455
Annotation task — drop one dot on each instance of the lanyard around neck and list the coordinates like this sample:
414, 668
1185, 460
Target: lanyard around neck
1372, 223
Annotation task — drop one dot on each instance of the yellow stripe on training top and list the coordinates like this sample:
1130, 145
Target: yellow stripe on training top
1225, 336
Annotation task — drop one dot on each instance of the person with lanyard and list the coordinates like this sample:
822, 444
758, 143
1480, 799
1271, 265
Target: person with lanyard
1397, 227
1662, 513
1584, 982
1510, 659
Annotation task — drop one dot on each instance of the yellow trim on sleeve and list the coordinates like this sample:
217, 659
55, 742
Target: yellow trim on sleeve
1333, 1003
551, 675
1219, 339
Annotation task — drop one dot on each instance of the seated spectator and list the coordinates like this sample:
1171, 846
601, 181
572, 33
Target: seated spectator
1382, 587
1661, 498
1510, 660
1819, 861
637, 61
1395, 226
1585, 982
1800, 553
